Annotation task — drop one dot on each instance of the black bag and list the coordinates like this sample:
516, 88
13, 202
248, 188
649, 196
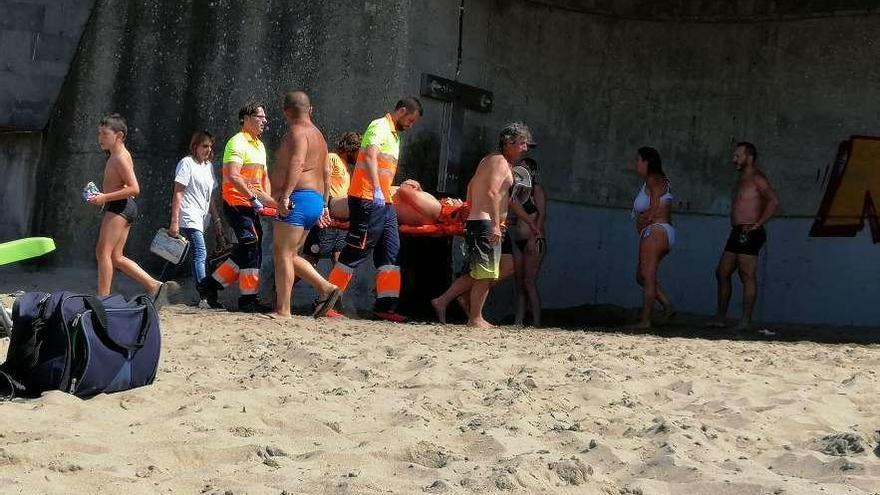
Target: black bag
83, 345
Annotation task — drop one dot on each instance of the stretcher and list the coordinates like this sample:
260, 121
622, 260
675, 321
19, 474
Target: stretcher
453, 214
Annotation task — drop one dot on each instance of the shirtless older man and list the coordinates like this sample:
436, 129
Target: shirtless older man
754, 202
299, 181
488, 196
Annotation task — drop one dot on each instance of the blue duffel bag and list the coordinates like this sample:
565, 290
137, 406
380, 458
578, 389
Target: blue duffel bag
83, 345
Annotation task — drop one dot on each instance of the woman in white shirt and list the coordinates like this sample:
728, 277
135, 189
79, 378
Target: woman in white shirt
191, 202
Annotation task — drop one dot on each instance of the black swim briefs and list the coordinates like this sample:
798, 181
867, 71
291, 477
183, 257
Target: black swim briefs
126, 208
506, 242
742, 242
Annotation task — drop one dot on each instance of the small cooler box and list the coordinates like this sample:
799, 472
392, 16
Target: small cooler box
171, 249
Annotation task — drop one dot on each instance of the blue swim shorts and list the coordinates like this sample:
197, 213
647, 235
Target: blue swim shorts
306, 206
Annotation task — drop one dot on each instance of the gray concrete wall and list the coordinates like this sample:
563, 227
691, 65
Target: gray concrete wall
593, 86
38, 39
801, 279
174, 67
712, 11
596, 88
19, 159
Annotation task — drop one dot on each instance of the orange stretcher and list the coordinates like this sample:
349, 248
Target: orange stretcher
453, 214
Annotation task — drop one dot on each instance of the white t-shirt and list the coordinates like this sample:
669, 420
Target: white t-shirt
198, 180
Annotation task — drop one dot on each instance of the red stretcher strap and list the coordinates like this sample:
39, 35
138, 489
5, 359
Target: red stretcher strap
435, 230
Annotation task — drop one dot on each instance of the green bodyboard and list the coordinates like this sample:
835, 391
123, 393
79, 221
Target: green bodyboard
22, 249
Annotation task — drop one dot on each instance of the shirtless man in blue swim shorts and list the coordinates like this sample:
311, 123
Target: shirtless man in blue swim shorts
299, 184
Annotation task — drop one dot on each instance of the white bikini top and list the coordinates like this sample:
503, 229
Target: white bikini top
643, 201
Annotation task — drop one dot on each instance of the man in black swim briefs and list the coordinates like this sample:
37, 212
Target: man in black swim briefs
754, 202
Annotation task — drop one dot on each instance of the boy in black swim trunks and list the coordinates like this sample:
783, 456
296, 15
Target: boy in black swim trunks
120, 211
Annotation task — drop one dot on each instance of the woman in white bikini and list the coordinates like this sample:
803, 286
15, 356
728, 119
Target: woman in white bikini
652, 210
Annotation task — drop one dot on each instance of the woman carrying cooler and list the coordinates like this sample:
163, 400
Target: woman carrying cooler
652, 209
191, 202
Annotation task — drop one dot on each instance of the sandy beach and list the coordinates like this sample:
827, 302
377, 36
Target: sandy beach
250, 405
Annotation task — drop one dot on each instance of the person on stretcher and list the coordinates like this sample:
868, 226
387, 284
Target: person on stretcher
414, 206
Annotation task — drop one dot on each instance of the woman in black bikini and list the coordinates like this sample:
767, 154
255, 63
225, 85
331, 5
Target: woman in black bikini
530, 246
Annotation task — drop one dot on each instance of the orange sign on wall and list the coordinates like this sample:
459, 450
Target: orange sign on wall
853, 191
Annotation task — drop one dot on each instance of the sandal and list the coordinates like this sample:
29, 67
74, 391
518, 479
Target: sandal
324, 305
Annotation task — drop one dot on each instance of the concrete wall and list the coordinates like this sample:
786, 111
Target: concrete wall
19, 158
678, 11
801, 279
38, 39
594, 86
174, 67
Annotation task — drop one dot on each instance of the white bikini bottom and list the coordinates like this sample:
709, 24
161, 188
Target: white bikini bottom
670, 232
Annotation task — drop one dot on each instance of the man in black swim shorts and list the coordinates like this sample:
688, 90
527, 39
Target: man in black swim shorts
754, 202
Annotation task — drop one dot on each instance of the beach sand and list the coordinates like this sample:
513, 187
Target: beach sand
245, 404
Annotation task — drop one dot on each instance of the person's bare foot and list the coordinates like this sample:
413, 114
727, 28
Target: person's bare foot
717, 322
642, 325
480, 323
743, 326
164, 292
669, 312
440, 309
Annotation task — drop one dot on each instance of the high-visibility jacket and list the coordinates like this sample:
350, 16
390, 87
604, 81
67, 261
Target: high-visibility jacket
249, 152
339, 178
382, 134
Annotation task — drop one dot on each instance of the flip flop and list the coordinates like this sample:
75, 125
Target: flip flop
166, 290
326, 304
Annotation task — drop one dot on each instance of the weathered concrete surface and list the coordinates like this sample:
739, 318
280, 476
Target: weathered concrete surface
19, 159
180, 66
596, 89
593, 86
801, 279
703, 11
38, 39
